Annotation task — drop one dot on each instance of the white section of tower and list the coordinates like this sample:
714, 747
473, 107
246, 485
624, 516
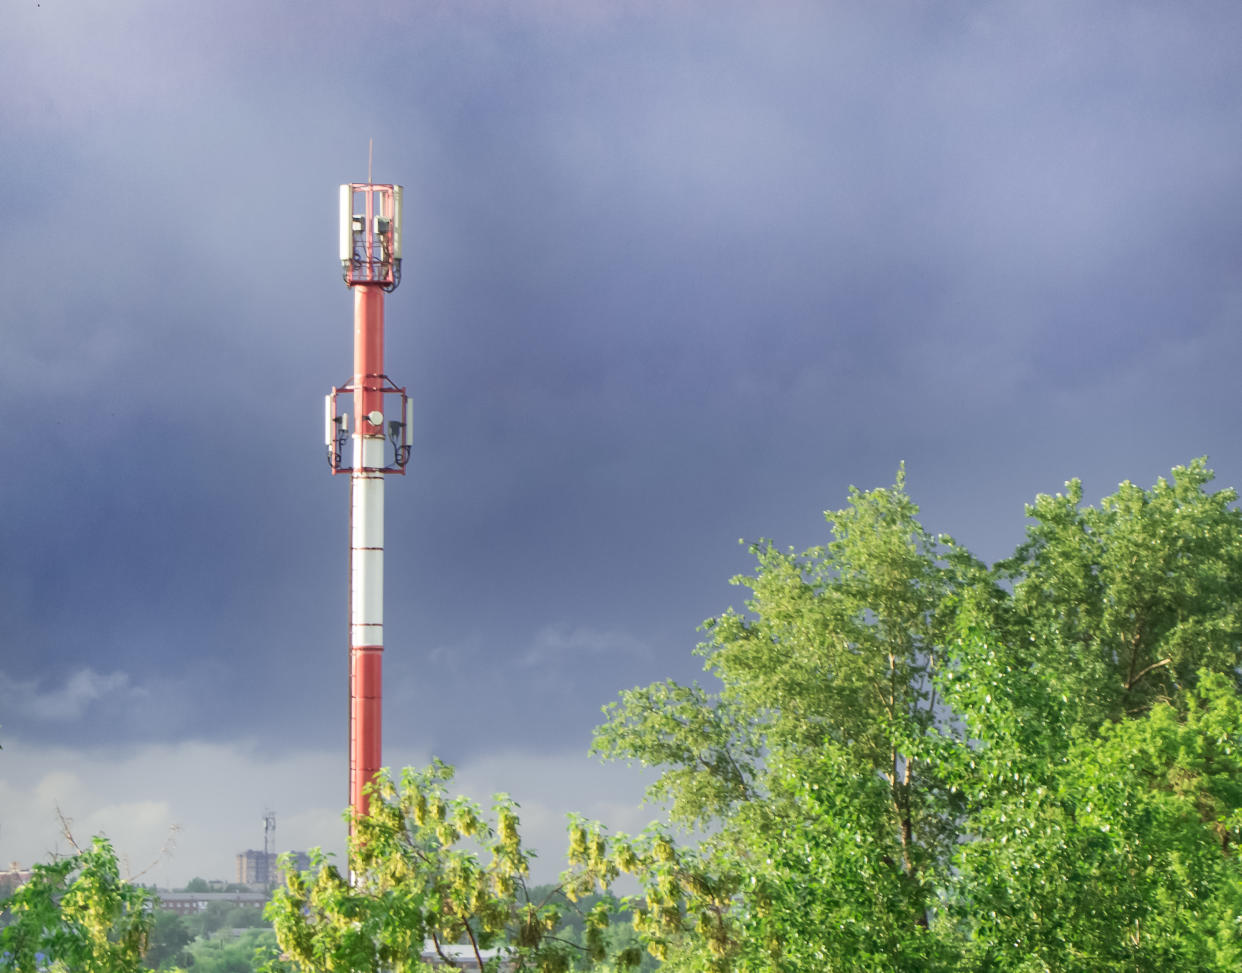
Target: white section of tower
366, 597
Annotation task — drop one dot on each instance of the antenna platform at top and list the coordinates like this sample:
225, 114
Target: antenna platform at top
371, 234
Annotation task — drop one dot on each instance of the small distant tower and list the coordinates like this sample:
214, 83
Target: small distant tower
269, 849
370, 252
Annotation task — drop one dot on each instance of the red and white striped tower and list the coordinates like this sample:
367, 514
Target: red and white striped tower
371, 265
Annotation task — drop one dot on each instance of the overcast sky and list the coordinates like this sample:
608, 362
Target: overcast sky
676, 273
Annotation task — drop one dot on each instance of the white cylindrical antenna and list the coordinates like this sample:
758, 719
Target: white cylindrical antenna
328, 437
408, 432
347, 224
396, 222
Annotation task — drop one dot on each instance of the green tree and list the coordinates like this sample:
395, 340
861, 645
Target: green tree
253, 950
914, 763
169, 937
829, 677
418, 877
1129, 600
620, 936
1094, 850
216, 916
1098, 740
77, 915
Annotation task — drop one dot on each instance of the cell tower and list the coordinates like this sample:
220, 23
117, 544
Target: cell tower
371, 265
269, 849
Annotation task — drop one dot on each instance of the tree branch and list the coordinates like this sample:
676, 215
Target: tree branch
435, 941
1130, 683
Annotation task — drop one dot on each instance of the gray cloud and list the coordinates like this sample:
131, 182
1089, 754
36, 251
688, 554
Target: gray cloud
674, 275
69, 701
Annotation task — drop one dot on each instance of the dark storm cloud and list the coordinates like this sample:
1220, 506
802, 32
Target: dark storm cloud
674, 275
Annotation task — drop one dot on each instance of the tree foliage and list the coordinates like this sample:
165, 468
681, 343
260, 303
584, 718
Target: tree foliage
254, 949
829, 677
1095, 850
912, 762
1129, 601
166, 946
430, 870
77, 915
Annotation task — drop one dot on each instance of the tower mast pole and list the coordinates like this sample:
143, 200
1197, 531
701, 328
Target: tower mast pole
366, 547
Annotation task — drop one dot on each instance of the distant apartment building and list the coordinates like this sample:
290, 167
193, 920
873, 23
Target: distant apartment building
259, 869
256, 868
